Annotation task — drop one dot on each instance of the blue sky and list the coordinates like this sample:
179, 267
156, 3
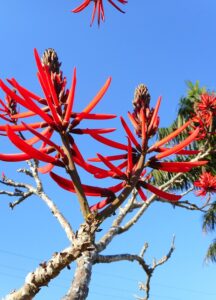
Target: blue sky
159, 43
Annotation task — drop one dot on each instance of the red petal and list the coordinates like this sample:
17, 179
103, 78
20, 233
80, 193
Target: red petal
35, 139
96, 99
176, 166
29, 93
27, 114
129, 160
109, 142
130, 134
142, 195
88, 190
44, 139
181, 152
51, 86
14, 157
23, 146
46, 169
27, 101
118, 8
112, 157
160, 193
155, 114
92, 131
143, 128
180, 146
22, 127
70, 99
170, 136
93, 116
81, 6
101, 204
133, 121
111, 166
116, 188
49, 96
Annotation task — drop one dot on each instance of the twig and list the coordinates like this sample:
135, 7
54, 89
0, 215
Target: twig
38, 191
21, 199
146, 286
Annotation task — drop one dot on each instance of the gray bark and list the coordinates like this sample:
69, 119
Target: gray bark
80, 285
34, 281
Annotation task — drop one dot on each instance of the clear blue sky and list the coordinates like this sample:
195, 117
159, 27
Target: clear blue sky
160, 43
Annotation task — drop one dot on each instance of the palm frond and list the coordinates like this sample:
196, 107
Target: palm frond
211, 253
209, 218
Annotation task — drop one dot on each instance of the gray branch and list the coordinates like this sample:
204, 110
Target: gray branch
50, 269
38, 191
146, 286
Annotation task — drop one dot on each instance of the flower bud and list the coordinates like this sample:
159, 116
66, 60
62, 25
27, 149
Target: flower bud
141, 97
50, 59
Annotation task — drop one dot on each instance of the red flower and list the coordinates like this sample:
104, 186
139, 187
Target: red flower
98, 8
8, 109
206, 108
206, 183
55, 108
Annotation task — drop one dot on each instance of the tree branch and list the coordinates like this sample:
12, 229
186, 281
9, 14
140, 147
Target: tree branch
146, 286
120, 257
48, 270
38, 191
115, 227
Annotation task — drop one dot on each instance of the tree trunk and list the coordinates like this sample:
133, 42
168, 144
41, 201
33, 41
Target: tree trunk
80, 285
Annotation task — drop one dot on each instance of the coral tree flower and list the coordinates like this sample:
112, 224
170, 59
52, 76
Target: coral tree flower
98, 8
145, 122
54, 108
55, 111
205, 112
206, 108
206, 184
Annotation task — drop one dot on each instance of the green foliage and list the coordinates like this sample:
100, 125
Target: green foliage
185, 112
209, 218
211, 253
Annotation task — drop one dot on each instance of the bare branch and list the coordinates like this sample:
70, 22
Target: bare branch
166, 257
143, 250
140, 212
50, 269
120, 257
21, 199
38, 191
187, 205
115, 228
146, 286
58, 215
187, 191
10, 182
25, 171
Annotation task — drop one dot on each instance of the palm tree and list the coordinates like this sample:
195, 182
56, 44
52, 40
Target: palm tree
187, 108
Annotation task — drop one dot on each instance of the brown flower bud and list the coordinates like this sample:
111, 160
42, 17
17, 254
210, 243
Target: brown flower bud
50, 59
141, 97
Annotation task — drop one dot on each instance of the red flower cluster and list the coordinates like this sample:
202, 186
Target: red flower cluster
55, 109
207, 108
206, 184
205, 111
98, 8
